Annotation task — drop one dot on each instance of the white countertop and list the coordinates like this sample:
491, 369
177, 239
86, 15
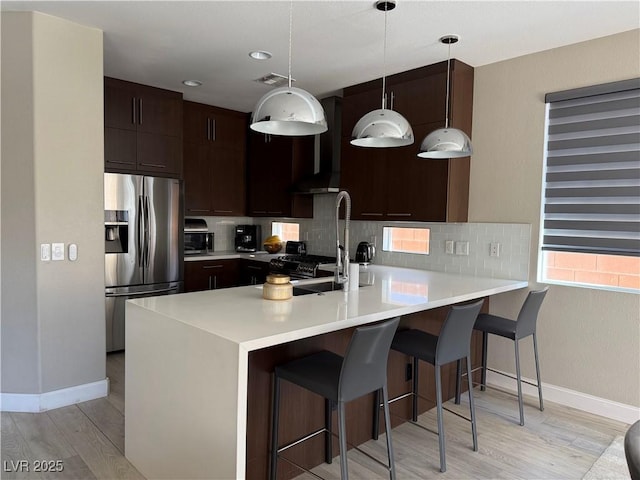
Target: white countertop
242, 316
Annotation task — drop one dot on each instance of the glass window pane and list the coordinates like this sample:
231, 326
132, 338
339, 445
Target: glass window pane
405, 240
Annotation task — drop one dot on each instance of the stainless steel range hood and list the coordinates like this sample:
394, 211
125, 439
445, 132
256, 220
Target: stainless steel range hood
326, 178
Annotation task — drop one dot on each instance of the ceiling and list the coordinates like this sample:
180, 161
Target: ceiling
335, 43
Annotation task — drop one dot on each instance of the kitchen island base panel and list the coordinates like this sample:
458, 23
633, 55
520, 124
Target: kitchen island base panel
296, 421
179, 414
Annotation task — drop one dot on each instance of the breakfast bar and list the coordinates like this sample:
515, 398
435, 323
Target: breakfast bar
198, 364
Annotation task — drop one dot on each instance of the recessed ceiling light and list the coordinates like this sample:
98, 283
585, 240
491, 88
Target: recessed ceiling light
192, 83
260, 55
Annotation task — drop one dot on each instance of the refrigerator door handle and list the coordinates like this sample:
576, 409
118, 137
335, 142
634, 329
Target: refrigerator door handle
147, 233
141, 234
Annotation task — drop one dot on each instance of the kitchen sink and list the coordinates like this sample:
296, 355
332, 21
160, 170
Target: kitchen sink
318, 288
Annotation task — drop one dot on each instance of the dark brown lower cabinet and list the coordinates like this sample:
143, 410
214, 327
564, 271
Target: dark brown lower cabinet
211, 274
253, 272
303, 412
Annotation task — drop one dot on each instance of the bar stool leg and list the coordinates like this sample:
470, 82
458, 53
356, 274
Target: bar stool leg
414, 397
443, 463
472, 407
535, 352
483, 371
518, 378
275, 414
342, 434
376, 415
458, 381
328, 441
387, 426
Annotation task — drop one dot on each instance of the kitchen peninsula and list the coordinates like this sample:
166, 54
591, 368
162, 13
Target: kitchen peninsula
198, 364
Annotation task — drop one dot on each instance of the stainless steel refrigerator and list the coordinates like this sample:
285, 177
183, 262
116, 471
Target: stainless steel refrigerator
142, 244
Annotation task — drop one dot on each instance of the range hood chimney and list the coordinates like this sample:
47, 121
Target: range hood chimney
326, 178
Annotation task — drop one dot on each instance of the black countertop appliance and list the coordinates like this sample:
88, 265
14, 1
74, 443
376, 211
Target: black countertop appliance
248, 238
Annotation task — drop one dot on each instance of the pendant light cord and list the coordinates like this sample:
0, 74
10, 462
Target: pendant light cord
446, 115
290, 36
384, 60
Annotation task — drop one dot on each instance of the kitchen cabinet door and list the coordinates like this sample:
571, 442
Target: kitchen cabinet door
210, 274
359, 101
393, 183
363, 175
214, 160
143, 129
275, 163
253, 272
197, 179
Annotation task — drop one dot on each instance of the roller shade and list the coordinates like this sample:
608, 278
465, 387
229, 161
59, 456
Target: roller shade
592, 170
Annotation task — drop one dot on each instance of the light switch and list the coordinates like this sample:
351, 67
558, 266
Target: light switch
45, 252
462, 248
448, 247
57, 251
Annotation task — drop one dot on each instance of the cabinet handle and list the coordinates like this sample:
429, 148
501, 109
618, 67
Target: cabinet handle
155, 165
215, 282
212, 266
399, 214
280, 213
213, 130
371, 214
208, 128
116, 161
223, 211
259, 211
197, 210
140, 111
209, 282
393, 96
133, 110
253, 268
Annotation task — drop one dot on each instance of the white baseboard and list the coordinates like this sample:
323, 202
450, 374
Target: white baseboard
33, 403
570, 398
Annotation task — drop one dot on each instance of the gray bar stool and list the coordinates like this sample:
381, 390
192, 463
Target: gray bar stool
338, 379
522, 327
453, 344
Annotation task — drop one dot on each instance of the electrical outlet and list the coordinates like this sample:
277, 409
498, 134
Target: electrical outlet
462, 248
494, 249
448, 247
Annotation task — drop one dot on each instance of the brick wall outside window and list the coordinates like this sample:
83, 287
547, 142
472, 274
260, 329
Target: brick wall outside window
593, 269
410, 240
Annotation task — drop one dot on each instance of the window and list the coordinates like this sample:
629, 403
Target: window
405, 240
286, 231
590, 225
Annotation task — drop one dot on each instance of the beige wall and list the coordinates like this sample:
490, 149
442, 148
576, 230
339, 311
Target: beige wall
589, 339
53, 332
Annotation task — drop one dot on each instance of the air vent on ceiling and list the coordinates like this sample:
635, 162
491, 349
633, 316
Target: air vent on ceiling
274, 80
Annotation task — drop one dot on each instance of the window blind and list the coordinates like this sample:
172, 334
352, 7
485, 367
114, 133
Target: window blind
592, 170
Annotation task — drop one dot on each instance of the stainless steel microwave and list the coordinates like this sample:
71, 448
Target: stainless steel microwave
197, 239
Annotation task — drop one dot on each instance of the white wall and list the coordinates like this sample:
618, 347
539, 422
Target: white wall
53, 333
589, 339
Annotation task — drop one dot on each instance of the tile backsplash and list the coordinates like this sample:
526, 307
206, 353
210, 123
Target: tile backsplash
320, 235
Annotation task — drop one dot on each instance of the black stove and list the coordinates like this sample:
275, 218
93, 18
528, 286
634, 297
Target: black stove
299, 266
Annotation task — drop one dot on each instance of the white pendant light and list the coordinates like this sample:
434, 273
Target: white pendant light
287, 110
382, 128
446, 142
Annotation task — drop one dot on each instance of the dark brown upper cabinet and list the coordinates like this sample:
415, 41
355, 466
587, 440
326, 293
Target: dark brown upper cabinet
393, 183
142, 129
275, 164
214, 160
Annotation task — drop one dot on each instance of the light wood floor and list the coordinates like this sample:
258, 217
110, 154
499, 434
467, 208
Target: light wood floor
559, 443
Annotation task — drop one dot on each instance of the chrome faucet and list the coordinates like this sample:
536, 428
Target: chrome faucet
342, 251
